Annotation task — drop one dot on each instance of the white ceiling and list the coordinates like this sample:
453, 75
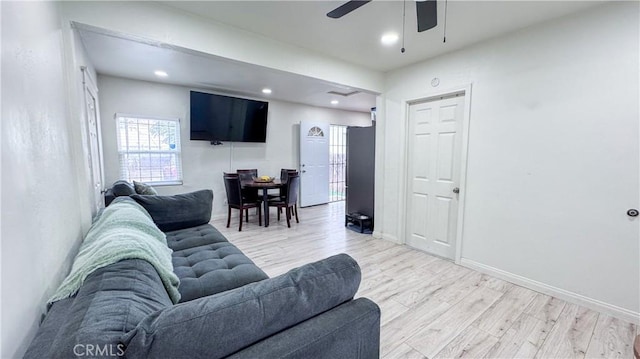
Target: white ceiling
116, 55
353, 38
356, 36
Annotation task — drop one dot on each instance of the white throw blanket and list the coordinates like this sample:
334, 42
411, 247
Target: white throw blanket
124, 231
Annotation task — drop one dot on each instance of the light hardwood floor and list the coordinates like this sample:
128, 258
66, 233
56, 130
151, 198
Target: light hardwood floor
431, 307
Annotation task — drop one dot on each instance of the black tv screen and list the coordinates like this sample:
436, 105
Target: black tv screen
224, 118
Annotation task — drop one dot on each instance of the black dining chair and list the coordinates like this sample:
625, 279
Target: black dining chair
236, 200
284, 175
247, 175
288, 202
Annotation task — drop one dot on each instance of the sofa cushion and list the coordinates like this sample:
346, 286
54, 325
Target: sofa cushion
194, 237
112, 301
350, 330
219, 325
180, 211
122, 188
207, 263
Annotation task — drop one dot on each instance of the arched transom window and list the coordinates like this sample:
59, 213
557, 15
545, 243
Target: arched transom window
315, 131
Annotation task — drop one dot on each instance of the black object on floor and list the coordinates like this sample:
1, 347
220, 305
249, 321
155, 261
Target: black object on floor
361, 220
356, 228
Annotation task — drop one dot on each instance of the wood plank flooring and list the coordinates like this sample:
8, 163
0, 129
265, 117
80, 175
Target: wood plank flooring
432, 308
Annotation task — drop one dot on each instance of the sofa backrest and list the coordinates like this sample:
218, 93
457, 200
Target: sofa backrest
171, 213
123, 188
111, 302
119, 188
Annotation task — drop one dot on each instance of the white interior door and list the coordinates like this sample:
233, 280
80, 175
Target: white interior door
314, 163
92, 117
435, 144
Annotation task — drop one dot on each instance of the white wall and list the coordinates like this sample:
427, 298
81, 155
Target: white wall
553, 159
203, 164
45, 206
157, 22
77, 57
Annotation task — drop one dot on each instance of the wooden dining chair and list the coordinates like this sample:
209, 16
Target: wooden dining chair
284, 175
246, 175
236, 200
290, 199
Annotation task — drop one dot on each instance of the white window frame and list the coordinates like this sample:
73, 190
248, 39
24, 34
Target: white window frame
124, 151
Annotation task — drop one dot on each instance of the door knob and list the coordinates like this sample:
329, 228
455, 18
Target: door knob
456, 190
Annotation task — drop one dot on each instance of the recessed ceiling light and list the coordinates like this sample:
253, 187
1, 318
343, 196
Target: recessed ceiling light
389, 38
334, 102
161, 73
266, 90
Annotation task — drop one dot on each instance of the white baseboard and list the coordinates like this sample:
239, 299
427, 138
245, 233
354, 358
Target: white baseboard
609, 309
385, 236
390, 238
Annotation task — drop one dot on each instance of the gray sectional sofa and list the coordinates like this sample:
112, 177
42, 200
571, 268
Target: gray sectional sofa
228, 307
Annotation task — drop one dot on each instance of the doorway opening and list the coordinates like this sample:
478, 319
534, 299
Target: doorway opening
337, 162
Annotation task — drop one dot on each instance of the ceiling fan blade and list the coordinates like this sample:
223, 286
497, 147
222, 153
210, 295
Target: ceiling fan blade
346, 8
427, 14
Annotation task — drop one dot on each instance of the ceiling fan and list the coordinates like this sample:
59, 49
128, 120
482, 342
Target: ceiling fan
426, 12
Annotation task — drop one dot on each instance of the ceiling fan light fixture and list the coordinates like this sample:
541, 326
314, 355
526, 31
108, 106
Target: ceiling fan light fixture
389, 38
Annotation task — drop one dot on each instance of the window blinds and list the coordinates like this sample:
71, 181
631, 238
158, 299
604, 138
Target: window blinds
149, 149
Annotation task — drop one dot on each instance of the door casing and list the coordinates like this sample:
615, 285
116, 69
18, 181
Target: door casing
96, 159
403, 209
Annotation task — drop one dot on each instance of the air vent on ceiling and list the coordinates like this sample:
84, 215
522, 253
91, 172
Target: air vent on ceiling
345, 94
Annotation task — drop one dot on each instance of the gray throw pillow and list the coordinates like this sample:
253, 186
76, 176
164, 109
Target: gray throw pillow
122, 188
171, 213
144, 189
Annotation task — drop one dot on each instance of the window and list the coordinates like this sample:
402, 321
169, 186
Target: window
337, 162
315, 132
149, 149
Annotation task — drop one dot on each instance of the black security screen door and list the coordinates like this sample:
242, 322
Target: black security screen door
337, 162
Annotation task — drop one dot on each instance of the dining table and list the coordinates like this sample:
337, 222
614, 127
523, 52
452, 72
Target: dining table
265, 186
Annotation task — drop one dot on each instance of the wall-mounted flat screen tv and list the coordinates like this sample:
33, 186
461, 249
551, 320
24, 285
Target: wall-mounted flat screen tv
218, 118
